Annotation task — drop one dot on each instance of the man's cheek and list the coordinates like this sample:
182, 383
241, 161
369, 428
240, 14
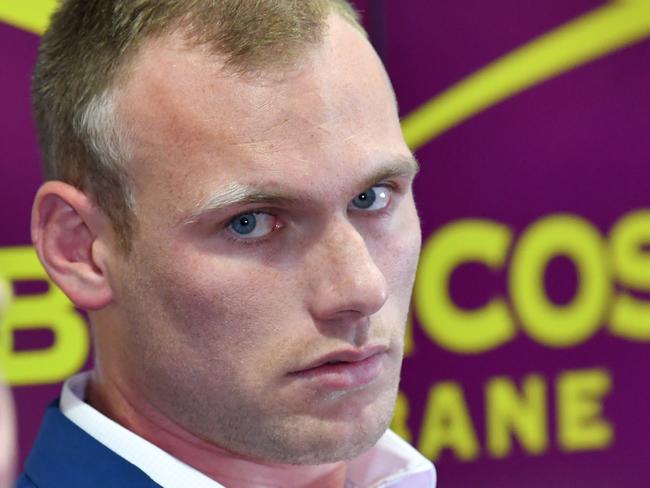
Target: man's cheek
197, 316
400, 263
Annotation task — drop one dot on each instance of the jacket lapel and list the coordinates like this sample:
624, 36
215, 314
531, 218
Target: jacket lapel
66, 456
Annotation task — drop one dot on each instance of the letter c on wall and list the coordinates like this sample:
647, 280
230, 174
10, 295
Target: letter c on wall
455, 329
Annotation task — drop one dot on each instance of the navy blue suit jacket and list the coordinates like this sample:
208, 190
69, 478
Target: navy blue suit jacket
64, 456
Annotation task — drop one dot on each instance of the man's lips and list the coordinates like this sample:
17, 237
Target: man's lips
344, 369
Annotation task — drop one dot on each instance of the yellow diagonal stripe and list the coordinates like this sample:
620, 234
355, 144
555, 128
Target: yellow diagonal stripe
30, 15
584, 39
589, 37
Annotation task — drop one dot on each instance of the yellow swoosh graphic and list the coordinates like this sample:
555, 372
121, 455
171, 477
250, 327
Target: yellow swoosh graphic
593, 35
30, 15
584, 39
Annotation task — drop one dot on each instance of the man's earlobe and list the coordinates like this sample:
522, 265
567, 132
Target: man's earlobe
65, 229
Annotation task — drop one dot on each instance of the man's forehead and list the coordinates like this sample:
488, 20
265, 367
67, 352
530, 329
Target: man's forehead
200, 131
179, 76
177, 94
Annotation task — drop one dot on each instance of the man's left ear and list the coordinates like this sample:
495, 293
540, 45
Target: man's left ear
73, 239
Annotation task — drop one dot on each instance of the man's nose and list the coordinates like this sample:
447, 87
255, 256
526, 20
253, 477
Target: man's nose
347, 283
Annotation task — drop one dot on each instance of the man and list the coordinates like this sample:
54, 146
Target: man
229, 197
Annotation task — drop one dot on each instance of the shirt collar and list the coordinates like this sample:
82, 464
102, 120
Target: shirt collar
390, 463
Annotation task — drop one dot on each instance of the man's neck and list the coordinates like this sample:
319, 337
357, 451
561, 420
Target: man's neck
225, 467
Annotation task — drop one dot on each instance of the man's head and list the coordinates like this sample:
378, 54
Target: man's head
274, 231
87, 51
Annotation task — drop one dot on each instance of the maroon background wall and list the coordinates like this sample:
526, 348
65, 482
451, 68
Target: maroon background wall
529, 348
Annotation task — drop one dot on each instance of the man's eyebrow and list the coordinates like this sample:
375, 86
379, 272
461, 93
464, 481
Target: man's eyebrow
395, 167
237, 194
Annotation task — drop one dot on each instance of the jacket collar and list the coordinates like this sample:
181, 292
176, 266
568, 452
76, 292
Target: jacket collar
64, 455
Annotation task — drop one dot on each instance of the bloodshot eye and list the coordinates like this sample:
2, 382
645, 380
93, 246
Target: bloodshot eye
374, 198
252, 225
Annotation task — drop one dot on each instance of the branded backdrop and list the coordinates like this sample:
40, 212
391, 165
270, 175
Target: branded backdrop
528, 349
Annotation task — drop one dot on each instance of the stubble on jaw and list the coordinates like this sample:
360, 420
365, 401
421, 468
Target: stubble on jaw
306, 439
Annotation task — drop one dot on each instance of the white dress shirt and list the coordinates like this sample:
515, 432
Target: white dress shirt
390, 463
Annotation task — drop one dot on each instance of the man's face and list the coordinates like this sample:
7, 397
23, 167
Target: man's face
277, 232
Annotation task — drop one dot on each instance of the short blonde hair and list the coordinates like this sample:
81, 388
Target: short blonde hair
87, 49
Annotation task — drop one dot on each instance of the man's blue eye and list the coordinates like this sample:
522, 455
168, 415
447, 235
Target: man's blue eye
374, 198
366, 199
244, 224
253, 225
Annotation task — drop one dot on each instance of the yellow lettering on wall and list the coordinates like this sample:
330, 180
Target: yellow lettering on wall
576, 238
631, 316
510, 413
50, 310
400, 418
447, 424
33, 16
455, 329
579, 408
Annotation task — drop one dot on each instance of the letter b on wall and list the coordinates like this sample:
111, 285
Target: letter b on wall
51, 310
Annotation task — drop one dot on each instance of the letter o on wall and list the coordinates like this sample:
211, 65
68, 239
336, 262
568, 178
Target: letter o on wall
580, 241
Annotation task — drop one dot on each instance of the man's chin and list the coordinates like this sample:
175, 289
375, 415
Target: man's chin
335, 449
329, 441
